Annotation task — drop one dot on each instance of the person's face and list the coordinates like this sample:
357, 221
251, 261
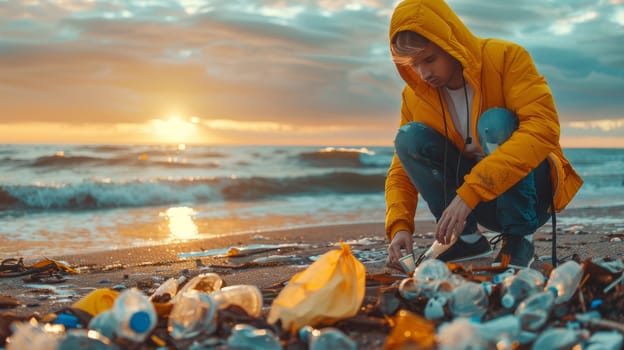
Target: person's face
437, 68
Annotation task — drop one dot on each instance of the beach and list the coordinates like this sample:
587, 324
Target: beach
146, 267
128, 216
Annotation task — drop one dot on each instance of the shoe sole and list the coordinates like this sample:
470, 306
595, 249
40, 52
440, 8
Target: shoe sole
516, 266
482, 255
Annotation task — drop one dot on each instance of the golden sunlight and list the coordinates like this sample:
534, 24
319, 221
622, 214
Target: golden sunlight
175, 129
181, 223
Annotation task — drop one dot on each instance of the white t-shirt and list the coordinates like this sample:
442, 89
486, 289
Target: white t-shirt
460, 114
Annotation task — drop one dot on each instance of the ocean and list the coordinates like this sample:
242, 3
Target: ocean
66, 199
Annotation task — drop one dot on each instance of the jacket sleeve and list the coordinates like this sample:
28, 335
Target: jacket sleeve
401, 195
527, 94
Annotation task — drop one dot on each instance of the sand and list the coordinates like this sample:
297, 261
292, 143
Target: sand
148, 266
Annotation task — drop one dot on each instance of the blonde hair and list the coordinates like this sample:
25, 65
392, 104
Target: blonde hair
405, 45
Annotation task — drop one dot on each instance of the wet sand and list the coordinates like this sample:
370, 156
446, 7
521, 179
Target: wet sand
148, 266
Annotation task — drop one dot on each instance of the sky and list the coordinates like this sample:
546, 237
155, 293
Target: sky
272, 71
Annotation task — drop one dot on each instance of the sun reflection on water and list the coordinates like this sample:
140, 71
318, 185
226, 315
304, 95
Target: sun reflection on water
181, 225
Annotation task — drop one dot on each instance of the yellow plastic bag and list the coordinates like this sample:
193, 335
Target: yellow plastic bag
329, 290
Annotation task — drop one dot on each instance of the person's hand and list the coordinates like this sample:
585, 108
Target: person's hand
402, 241
452, 221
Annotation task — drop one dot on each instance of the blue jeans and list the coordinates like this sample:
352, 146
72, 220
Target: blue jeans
521, 210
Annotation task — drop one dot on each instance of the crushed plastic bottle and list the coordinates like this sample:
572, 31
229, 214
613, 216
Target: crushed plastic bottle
205, 283
564, 280
195, 312
429, 274
190, 315
85, 339
604, 340
410, 288
469, 299
520, 286
326, 338
462, 334
533, 312
561, 338
247, 337
105, 324
132, 317
166, 291
33, 335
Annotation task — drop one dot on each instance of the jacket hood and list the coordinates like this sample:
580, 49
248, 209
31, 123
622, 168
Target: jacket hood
436, 21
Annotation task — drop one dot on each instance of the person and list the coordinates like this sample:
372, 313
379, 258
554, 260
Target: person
478, 140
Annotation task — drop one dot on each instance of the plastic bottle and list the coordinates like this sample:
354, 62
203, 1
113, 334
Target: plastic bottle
195, 312
166, 291
605, 340
410, 288
564, 280
189, 315
246, 296
246, 337
533, 311
561, 338
429, 273
461, 333
104, 323
469, 300
83, 339
205, 283
132, 317
30, 335
326, 338
521, 285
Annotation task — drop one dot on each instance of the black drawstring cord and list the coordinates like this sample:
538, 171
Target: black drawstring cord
445, 149
555, 262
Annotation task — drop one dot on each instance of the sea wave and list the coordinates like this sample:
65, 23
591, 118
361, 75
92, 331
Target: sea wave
343, 157
90, 195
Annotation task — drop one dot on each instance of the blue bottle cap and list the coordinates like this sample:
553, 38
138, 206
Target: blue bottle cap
596, 303
67, 320
554, 290
140, 321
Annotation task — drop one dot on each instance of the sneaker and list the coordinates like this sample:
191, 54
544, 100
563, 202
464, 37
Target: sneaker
462, 250
520, 251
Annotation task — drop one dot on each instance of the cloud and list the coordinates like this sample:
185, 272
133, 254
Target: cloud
306, 63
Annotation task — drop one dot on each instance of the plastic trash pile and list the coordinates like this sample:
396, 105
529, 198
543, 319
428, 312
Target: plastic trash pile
436, 305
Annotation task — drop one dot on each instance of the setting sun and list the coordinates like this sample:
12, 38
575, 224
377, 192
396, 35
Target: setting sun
175, 129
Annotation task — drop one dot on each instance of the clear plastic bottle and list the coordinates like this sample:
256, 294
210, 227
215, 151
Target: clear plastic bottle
501, 332
410, 288
246, 296
429, 274
533, 311
205, 283
326, 338
521, 285
133, 315
104, 323
83, 339
247, 337
189, 315
564, 280
469, 300
166, 291
31, 335
561, 338
195, 312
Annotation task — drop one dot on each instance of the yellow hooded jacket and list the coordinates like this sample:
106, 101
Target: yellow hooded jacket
502, 74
